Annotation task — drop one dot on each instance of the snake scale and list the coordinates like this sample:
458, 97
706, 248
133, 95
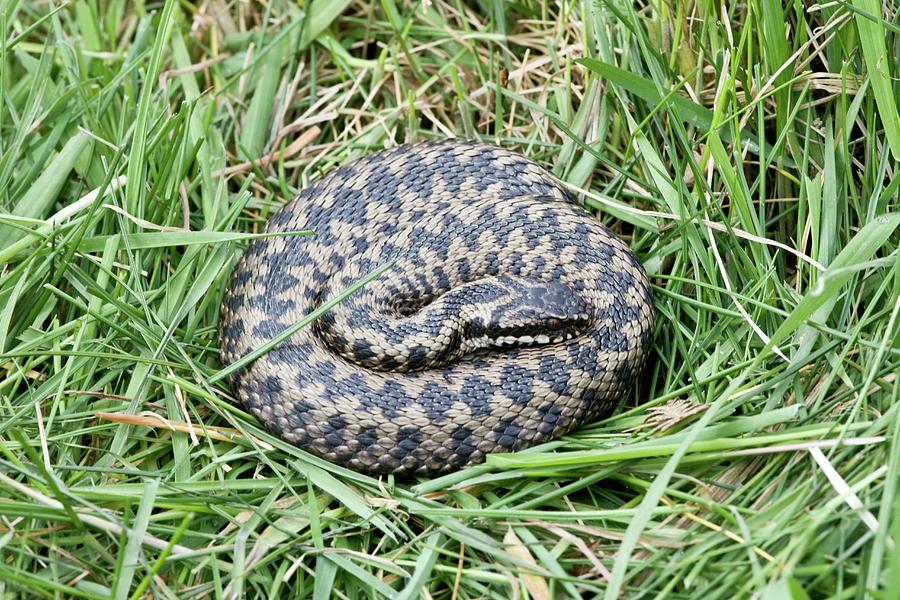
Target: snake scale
508, 317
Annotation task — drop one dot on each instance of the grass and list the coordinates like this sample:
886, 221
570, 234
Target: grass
747, 152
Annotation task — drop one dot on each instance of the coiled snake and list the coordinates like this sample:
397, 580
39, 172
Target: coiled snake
509, 317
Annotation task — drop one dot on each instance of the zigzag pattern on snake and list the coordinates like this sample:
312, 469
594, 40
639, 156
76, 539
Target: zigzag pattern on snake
509, 317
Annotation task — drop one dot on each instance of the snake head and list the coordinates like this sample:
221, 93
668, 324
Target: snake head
536, 312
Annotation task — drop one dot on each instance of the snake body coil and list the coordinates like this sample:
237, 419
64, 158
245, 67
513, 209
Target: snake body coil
509, 317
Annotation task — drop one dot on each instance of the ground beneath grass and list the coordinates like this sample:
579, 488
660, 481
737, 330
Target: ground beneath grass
747, 153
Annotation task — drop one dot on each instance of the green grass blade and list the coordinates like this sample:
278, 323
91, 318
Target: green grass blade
131, 553
39, 198
878, 67
853, 258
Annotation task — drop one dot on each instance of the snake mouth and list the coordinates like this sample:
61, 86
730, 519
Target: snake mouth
530, 340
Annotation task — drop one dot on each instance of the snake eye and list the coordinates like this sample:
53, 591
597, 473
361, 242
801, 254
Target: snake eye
554, 323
